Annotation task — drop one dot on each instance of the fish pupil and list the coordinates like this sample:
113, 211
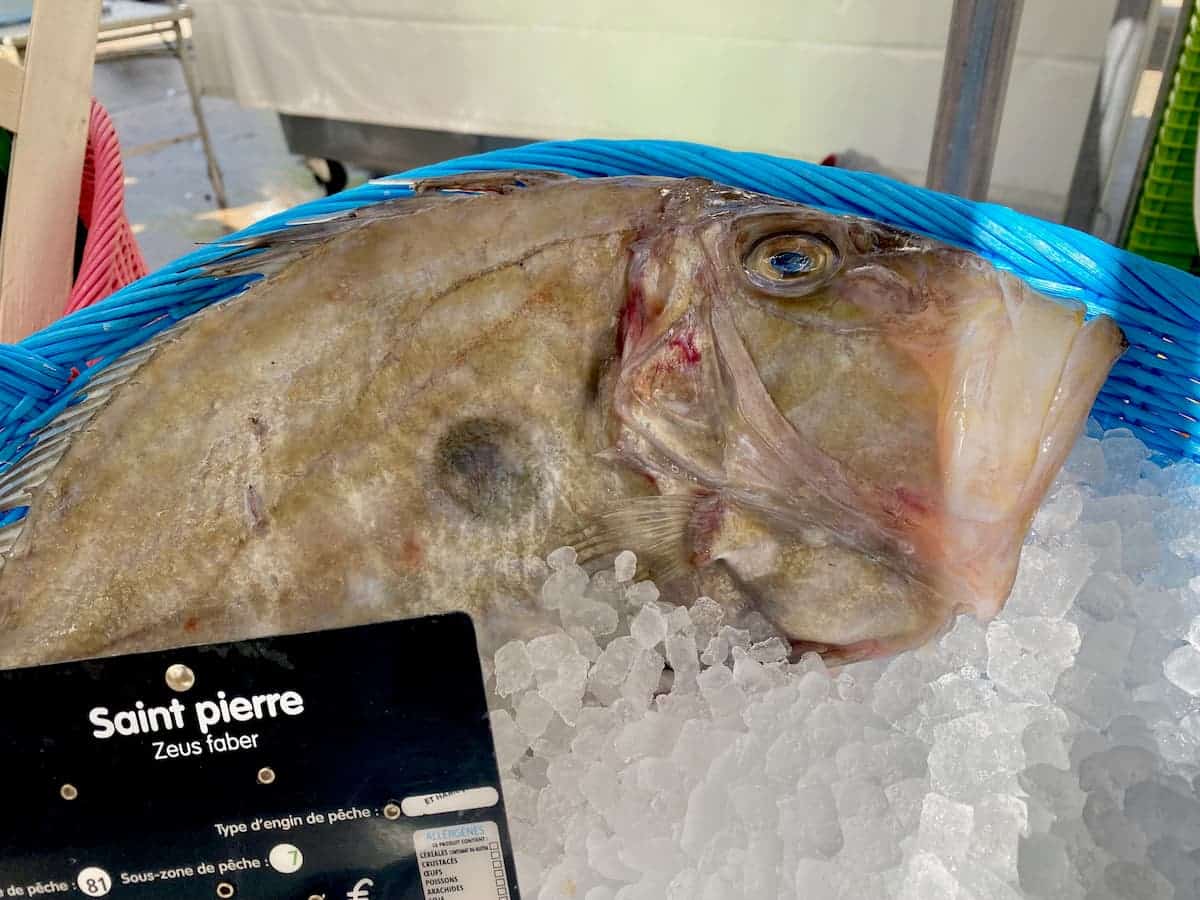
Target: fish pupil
791, 262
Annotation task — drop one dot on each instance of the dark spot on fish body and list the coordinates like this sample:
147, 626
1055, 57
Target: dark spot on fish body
255, 510
259, 427
488, 468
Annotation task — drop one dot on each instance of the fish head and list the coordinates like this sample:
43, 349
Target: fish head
864, 420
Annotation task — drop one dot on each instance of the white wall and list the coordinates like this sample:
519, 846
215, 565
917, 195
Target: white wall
795, 77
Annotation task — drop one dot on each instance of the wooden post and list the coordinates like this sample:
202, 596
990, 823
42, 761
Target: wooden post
37, 247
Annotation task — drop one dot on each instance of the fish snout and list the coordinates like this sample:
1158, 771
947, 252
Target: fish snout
1023, 374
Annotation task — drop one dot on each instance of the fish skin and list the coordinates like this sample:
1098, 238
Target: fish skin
417, 404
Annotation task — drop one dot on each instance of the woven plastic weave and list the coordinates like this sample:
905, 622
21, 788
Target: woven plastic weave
1154, 389
111, 258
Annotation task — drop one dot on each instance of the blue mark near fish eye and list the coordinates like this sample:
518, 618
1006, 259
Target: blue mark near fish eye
791, 262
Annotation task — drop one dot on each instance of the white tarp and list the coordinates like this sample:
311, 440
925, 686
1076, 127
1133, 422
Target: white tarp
798, 78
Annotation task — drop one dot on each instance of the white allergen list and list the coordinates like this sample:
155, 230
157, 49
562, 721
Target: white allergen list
462, 861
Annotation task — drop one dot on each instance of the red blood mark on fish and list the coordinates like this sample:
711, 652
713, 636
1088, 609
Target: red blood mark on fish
689, 353
191, 624
633, 318
906, 505
412, 552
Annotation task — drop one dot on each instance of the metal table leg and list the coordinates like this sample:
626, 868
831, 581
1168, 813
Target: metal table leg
979, 52
189, 76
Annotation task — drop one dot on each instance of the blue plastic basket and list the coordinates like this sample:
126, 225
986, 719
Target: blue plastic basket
1154, 389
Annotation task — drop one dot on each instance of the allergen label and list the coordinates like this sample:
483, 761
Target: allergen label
462, 861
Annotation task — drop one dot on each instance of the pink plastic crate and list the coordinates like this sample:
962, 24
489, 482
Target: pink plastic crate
111, 258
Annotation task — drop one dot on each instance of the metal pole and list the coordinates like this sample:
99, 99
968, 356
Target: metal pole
979, 52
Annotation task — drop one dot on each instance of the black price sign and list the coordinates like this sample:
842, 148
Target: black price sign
355, 763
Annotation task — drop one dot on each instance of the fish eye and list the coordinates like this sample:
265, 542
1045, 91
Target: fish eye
793, 260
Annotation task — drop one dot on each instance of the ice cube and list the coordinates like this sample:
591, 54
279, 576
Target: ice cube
511, 744
643, 678
1182, 667
562, 558
585, 642
513, 668
1060, 511
945, 828
533, 715
926, 878
625, 566
1111, 829
649, 626
906, 798
1106, 647
1055, 789
1049, 580
1141, 549
615, 661
820, 879
680, 621
1123, 456
1087, 462
549, 652
591, 615
706, 810
604, 855
707, 616
1043, 737
1000, 821
682, 657
1026, 656
1106, 595
1161, 811
809, 821
723, 694
979, 753
870, 843
1044, 867
564, 585
773, 649
964, 645
1131, 881
641, 593
1115, 769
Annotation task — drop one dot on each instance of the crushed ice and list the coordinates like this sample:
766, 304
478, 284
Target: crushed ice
655, 753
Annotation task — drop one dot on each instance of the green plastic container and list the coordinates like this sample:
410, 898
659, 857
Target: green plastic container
1168, 154
1178, 173
1163, 226
1169, 209
1178, 135
1162, 190
1156, 242
1158, 223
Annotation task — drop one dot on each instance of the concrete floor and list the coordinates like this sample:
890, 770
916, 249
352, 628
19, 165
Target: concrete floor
168, 197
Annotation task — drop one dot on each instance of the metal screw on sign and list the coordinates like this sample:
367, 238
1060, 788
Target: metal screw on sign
180, 678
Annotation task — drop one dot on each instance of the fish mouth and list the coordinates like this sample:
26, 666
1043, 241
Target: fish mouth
1024, 376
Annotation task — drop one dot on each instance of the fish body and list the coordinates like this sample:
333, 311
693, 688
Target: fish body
842, 427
